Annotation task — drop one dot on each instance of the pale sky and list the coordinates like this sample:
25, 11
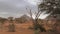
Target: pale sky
16, 8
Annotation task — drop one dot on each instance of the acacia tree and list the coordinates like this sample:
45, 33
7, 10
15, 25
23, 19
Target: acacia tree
50, 6
35, 21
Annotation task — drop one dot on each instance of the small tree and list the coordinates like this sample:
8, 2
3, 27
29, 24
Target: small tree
11, 25
35, 21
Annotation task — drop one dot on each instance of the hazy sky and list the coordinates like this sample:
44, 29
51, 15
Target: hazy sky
15, 8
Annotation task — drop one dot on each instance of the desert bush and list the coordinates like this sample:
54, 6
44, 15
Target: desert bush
11, 28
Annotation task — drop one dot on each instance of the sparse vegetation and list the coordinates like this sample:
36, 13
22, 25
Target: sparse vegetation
48, 6
22, 19
11, 26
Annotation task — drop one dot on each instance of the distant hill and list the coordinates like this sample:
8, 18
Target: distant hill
22, 19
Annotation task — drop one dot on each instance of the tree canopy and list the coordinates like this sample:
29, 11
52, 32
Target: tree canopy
50, 6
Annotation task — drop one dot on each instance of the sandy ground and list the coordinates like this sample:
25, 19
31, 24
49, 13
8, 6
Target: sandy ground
22, 29
26, 31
